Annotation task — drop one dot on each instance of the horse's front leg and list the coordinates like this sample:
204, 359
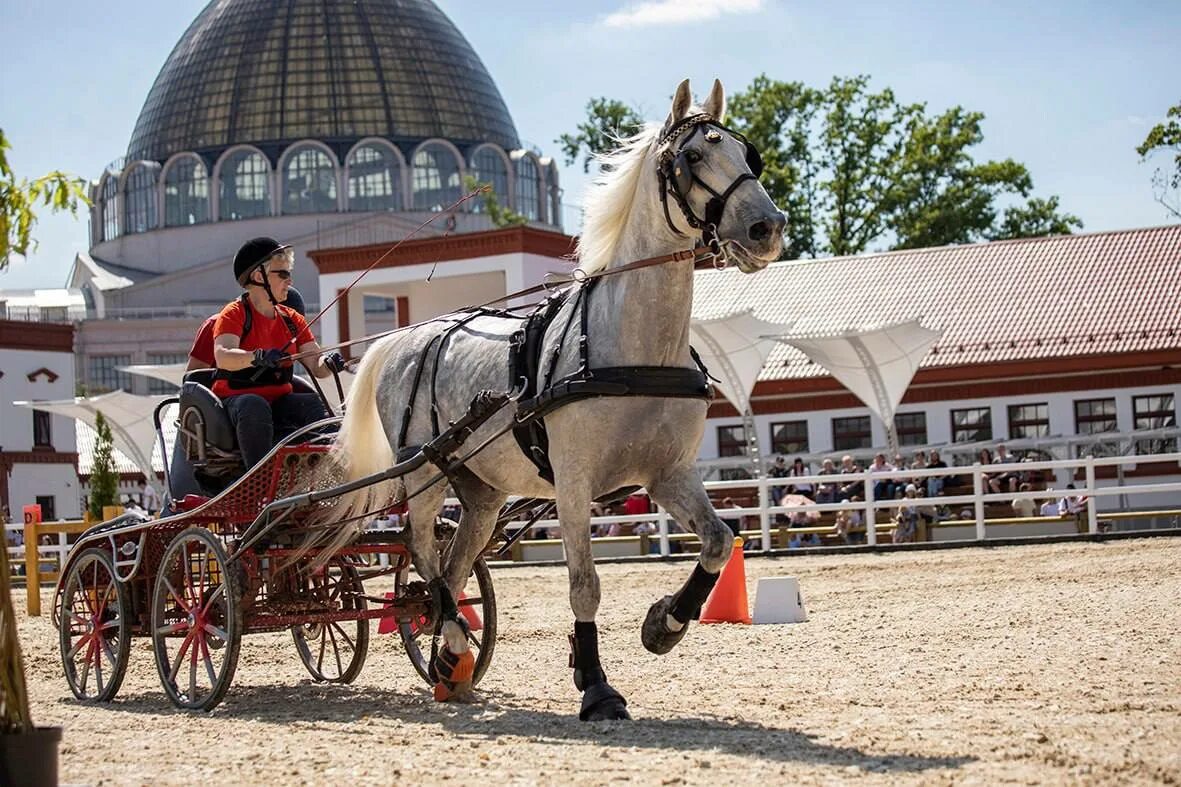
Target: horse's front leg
682, 494
599, 700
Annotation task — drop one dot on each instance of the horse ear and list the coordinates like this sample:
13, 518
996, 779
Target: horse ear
682, 101
715, 105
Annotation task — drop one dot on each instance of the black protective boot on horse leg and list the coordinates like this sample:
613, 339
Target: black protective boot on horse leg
599, 701
683, 607
450, 668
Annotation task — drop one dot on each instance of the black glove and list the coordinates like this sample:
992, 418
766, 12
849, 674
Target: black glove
269, 359
334, 362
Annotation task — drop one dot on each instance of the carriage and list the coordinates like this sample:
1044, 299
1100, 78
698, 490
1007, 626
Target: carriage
598, 387
230, 563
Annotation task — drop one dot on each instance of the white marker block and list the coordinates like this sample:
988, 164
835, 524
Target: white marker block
778, 600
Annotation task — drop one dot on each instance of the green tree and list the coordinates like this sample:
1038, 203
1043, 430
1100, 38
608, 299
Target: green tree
104, 481
20, 200
854, 168
1164, 138
500, 215
608, 121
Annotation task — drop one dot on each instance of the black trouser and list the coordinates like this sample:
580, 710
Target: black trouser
260, 425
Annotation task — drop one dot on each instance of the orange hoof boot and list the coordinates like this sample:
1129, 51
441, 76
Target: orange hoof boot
454, 673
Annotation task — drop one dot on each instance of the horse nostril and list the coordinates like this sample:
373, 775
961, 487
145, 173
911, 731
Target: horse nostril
768, 227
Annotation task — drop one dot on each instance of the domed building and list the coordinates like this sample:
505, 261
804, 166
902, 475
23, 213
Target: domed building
322, 124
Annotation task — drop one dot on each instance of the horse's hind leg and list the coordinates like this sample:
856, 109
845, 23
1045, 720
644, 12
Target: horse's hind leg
599, 700
680, 492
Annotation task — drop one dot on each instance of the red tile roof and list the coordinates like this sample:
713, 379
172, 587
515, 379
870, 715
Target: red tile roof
1070, 295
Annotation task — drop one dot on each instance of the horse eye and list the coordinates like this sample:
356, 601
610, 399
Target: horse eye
692, 156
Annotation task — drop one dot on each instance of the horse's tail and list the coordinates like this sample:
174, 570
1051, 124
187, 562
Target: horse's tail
361, 448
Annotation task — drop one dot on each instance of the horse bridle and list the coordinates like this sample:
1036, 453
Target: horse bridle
677, 178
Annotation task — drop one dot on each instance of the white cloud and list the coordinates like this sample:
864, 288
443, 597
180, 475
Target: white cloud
675, 12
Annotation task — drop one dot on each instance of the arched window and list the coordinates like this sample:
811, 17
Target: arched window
488, 167
435, 184
528, 189
139, 198
245, 186
110, 208
309, 182
375, 179
555, 196
186, 193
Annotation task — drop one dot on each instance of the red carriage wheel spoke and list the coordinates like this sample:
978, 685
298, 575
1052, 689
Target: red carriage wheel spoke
344, 634
214, 596
208, 660
215, 631
180, 655
335, 650
98, 667
194, 655
184, 606
85, 677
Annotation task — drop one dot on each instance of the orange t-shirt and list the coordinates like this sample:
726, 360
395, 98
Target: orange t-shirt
266, 333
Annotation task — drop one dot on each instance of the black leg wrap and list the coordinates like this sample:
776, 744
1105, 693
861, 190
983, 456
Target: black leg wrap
687, 602
600, 702
584, 655
684, 606
444, 608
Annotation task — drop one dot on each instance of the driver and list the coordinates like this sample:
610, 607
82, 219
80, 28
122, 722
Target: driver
254, 367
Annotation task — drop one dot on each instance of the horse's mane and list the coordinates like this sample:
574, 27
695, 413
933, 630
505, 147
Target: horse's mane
609, 201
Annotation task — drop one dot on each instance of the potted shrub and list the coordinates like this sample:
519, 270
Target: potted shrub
28, 754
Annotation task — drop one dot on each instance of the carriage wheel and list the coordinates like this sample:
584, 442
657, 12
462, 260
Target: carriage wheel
328, 651
417, 641
196, 620
95, 627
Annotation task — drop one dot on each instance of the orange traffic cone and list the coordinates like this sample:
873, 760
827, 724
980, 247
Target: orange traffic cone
470, 614
727, 602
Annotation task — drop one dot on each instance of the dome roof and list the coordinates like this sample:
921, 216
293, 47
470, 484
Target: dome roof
275, 71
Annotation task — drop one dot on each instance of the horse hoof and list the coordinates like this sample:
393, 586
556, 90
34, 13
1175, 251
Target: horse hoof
655, 633
600, 702
454, 671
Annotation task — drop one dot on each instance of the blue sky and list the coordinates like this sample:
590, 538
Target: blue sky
1067, 88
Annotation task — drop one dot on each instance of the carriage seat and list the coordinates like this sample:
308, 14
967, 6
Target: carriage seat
206, 426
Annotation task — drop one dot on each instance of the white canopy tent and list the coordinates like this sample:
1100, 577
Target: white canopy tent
735, 348
876, 363
130, 419
168, 372
174, 373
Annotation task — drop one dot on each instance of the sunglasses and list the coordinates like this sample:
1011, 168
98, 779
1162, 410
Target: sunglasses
282, 273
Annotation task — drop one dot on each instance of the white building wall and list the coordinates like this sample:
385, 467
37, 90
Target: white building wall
30, 480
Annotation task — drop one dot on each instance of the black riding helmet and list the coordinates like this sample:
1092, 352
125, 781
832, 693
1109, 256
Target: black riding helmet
254, 253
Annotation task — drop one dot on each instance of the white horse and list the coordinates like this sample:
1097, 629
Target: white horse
668, 182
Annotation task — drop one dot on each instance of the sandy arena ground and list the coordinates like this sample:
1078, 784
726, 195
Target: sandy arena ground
1029, 665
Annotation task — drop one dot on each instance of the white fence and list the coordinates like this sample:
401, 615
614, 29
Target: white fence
1155, 498
52, 554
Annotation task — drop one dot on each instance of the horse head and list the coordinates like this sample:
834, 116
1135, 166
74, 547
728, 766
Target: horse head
710, 174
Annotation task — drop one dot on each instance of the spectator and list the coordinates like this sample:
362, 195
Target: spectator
148, 499
798, 470
827, 492
778, 470
1050, 506
853, 488
884, 489
848, 522
1024, 506
985, 458
733, 521
935, 484
131, 507
919, 463
1005, 481
1074, 506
